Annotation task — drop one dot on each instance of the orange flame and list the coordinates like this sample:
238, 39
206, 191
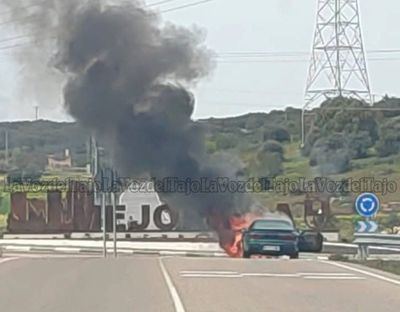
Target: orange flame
229, 231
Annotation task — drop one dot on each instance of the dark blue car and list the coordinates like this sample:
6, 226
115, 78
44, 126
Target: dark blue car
278, 237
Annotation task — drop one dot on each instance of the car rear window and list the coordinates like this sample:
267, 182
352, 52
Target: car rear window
272, 225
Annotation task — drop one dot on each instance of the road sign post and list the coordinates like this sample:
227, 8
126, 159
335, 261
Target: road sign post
367, 205
114, 207
366, 227
103, 213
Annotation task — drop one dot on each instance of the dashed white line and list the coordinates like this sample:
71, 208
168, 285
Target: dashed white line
326, 274
233, 274
172, 290
334, 277
209, 272
269, 275
381, 277
212, 275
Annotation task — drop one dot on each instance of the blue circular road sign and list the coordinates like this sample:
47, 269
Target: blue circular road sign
367, 205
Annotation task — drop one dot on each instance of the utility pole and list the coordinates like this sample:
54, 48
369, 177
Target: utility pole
338, 66
36, 112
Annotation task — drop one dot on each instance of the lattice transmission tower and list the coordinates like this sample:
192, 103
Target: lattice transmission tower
338, 64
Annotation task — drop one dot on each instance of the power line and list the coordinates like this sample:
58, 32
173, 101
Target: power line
293, 61
238, 54
42, 2
15, 46
15, 38
35, 17
24, 44
220, 60
186, 6
159, 3
232, 55
29, 17
223, 90
23, 7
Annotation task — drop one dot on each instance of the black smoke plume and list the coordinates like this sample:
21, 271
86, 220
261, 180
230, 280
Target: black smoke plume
128, 79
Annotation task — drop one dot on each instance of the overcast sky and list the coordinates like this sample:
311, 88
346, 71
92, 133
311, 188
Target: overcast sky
239, 86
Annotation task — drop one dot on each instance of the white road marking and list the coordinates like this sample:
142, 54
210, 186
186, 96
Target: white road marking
334, 277
232, 274
172, 290
326, 274
67, 249
17, 248
209, 272
381, 277
52, 256
8, 259
211, 275
269, 275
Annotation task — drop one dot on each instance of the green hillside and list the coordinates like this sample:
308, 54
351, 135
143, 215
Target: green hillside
344, 139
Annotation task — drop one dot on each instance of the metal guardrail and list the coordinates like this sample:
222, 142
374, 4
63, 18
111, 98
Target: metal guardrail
364, 241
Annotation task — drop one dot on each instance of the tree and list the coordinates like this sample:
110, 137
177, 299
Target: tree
344, 129
272, 147
389, 142
276, 133
226, 141
393, 220
29, 165
268, 165
211, 147
392, 103
268, 162
255, 121
358, 143
331, 155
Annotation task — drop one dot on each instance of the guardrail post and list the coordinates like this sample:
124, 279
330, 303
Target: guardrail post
363, 251
359, 252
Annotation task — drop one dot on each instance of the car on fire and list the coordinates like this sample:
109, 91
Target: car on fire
278, 237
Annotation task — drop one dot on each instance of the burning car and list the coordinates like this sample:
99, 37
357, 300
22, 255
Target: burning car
278, 237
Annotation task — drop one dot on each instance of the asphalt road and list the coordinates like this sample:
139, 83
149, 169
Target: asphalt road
192, 284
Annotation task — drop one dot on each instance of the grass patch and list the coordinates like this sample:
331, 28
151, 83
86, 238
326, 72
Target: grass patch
390, 266
3, 223
4, 203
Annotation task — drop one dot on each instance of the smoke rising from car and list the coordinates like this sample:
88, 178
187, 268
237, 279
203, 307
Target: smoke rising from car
128, 78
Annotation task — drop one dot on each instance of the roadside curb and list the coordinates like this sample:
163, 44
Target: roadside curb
99, 251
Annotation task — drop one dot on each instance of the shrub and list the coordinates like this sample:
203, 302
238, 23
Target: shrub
272, 147
330, 155
275, 133
226, 141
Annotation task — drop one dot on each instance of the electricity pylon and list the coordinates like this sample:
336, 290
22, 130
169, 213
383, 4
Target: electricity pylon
338, 63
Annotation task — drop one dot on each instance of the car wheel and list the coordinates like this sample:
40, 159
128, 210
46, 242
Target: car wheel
294, 256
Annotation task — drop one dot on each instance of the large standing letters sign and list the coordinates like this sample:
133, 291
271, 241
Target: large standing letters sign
163, 218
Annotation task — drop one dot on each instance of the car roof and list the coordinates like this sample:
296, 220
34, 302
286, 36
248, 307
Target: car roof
282, 219
275, 219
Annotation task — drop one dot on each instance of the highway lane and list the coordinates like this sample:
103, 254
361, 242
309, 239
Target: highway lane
83, 284
143, 283
278, 285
